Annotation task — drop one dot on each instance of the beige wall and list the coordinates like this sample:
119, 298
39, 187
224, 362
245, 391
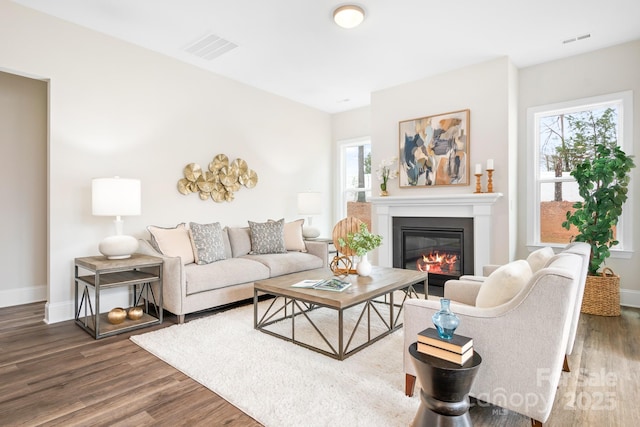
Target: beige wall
605, 71
23, 189
117, 109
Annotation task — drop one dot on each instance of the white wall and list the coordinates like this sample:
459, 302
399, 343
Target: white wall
484, 89
23, 189
610, 70
117, 109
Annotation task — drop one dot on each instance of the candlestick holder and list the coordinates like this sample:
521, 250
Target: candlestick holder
489, 180
478, 188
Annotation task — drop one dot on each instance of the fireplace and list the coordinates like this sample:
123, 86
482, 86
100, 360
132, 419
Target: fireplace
440, 245
479, 207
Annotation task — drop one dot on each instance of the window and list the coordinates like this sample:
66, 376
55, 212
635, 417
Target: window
355, 173
558, 139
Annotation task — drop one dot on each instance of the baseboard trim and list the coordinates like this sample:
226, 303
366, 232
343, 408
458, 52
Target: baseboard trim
630, 298
58, 312
20, 296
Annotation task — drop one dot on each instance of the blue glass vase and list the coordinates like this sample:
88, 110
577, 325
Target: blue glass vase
445, 320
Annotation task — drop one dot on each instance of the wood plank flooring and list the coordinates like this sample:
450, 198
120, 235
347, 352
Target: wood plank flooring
58, 375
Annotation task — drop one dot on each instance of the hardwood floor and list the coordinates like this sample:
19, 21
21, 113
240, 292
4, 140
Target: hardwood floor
58, 375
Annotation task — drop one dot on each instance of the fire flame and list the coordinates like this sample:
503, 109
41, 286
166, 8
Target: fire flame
436, 262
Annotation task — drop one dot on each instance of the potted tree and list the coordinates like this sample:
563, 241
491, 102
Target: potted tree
362, 242
603, 176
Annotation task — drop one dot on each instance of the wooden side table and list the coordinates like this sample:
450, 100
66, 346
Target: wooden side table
142, 274
444, 394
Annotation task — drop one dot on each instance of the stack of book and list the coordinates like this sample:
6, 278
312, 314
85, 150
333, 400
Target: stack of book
458, 349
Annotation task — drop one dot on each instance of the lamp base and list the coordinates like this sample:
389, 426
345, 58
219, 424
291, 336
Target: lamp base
309, 232
118, 247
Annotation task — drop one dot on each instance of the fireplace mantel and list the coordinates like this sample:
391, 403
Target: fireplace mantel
470, 205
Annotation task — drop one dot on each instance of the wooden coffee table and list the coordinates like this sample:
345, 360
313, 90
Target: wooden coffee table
371, 291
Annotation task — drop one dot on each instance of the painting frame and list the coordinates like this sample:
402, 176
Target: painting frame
434, 150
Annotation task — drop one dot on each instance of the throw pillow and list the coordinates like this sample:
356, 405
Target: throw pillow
539, 258
267, 237
239, 241
207, 241
293, 240
503, 284
173, 242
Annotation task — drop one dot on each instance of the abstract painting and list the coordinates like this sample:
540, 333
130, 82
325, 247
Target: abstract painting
434, 150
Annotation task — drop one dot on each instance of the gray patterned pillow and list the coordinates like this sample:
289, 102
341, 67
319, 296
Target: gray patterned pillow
208, 242
267, 237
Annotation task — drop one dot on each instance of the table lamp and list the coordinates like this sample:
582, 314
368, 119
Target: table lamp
310, 204
116, 197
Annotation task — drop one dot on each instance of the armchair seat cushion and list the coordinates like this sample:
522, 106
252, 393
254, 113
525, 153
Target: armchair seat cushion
503, 284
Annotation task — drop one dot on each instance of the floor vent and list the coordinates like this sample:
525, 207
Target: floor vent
210, 47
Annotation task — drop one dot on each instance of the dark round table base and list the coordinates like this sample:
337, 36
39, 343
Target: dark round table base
444, 394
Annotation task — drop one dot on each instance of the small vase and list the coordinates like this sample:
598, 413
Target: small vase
364, 266
445, 320
383, 189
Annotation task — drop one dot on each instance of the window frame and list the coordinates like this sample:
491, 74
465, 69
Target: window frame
625, 125
340, 210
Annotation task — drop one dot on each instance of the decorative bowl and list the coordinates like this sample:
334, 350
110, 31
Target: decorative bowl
117, 315
135, 313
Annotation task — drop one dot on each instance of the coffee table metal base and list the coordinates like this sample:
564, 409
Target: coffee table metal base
294, 307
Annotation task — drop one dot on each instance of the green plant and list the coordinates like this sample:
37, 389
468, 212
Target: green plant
603, 177
362, 241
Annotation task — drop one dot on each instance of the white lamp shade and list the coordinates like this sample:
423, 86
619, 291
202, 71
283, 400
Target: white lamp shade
309, 203
115, 196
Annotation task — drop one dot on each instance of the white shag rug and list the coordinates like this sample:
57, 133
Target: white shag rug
282, 384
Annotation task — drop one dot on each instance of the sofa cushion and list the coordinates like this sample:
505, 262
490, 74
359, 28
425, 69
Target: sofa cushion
503, 284
227, 244
293, 240
539, 258
208, 243
289, 262
240, 241
174, 242
220, 274
267, 237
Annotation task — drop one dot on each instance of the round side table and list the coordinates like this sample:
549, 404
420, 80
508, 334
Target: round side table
444, 394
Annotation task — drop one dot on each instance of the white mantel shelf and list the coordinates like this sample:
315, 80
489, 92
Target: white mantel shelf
444, 199
478, 206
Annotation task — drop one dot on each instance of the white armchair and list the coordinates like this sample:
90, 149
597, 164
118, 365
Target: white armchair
522, 342
466, 289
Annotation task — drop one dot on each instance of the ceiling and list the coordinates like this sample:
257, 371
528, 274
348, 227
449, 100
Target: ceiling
293, 48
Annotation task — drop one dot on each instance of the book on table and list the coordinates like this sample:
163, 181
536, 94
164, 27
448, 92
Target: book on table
457, 344
441, 353
331, 284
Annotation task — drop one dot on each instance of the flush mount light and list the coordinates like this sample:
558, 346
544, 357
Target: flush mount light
348, 16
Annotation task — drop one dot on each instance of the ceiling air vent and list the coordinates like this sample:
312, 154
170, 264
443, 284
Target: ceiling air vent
210, 47
575, 39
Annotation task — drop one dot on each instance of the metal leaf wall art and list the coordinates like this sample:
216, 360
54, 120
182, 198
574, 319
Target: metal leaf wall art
220, 181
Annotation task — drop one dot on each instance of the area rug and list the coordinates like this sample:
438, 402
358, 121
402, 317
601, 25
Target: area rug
282, 384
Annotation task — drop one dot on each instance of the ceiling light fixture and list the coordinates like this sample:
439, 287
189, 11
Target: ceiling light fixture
348, 16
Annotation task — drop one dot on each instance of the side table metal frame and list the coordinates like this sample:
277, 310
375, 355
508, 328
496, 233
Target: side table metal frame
126, 274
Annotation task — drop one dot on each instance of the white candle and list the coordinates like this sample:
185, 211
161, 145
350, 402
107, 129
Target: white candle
478, 168
490, 164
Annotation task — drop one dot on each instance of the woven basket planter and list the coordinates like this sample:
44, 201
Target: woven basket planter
602, 294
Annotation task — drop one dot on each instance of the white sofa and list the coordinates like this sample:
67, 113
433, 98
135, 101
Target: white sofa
522, 341
189, 287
